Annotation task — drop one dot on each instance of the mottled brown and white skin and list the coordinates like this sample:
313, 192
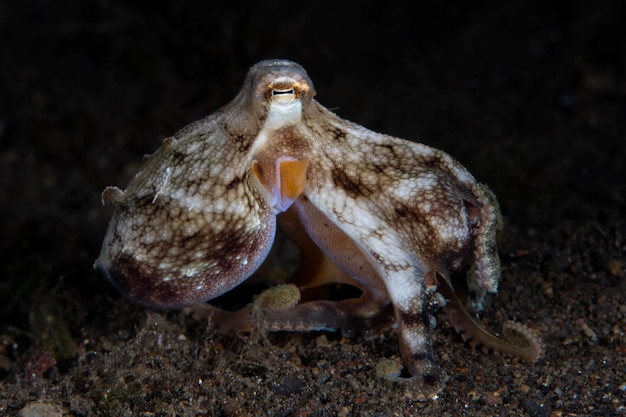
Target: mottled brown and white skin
389, 216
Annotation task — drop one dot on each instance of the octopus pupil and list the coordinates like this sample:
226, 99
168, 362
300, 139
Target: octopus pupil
279, 92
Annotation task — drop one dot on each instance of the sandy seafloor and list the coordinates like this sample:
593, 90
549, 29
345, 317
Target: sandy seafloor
529, 96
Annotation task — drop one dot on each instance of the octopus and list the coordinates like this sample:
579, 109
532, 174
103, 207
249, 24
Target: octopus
395, 219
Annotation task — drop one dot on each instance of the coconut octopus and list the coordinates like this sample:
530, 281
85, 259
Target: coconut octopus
393, 218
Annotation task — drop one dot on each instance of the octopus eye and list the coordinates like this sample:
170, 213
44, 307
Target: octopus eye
285, 89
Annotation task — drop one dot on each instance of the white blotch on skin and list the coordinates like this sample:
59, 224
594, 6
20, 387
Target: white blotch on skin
415, 339
215, 170
166, 233
193, 147
403, 289
218, 225
404, 189
188, 272
147, 239
426, 182
453, 230
424, 207
219, 204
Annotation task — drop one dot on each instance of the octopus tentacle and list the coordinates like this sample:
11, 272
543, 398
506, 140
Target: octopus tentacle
279, 308
522, 341
485, 249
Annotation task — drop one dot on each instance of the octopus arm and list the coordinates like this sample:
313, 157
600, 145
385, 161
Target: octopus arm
522, 341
